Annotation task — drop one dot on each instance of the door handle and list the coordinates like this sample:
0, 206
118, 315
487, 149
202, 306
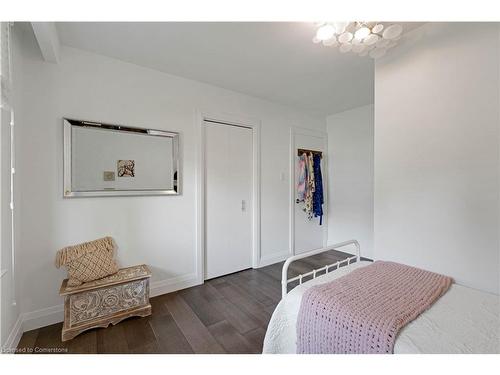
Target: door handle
243, 205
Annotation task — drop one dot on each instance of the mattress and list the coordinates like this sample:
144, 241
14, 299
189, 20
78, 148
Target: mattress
464, 320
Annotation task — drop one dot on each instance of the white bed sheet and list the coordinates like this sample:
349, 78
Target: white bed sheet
464, 320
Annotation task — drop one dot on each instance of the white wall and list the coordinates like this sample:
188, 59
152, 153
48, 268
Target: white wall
350, 180
159, 231
436, 152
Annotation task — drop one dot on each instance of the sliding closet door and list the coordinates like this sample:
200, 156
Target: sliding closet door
228, 199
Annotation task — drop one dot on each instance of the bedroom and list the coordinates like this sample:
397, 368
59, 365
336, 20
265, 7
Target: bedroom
192, 147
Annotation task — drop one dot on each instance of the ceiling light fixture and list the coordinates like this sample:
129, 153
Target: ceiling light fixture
325, 32
363, 38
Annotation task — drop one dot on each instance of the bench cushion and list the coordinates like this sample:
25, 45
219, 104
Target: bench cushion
88, 261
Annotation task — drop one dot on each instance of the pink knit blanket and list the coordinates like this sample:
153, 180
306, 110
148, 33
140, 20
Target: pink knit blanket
363, 311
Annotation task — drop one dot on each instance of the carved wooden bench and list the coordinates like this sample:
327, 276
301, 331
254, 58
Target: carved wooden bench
105, 301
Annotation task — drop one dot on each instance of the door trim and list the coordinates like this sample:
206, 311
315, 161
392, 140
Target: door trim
294, 131
235, 120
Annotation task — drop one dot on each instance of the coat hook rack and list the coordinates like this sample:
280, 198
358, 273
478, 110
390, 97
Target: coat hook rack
301, 151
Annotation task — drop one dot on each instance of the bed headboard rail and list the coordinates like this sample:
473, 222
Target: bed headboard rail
284, 273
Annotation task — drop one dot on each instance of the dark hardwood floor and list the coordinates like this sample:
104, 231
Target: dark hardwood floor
224, 315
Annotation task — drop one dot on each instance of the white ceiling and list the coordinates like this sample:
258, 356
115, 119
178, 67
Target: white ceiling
273, 61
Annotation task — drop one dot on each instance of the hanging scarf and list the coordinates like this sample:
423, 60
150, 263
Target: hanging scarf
308, 207
318, 191
302, 178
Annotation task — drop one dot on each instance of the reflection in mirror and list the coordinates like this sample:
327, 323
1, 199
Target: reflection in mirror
103, 160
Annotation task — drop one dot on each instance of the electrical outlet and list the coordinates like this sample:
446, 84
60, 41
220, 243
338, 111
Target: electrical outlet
108, 176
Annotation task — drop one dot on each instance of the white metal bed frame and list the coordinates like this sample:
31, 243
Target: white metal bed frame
337, 265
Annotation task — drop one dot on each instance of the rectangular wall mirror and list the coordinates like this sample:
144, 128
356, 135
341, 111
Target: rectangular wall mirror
115, 160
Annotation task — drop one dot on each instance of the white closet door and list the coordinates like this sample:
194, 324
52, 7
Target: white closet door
228, 207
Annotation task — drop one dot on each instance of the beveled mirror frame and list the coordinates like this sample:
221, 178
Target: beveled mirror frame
68, 124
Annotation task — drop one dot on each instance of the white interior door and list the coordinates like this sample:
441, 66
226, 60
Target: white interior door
228, 207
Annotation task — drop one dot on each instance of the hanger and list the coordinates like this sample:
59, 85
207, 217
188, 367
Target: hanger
301, 151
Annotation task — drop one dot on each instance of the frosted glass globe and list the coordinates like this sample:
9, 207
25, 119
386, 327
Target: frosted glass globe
392, 32
325, 32
377, 28
371, 39
362, 33
345, 37
330, 42
340, 27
